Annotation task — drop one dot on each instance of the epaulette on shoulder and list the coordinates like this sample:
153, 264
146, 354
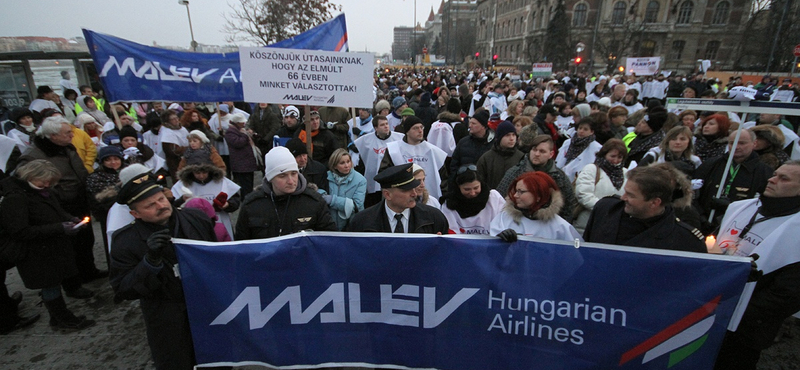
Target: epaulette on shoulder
699, 235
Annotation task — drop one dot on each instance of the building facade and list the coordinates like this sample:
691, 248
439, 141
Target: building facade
679, 31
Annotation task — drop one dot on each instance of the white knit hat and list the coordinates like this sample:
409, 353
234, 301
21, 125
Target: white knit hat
83, 119
277, 161
200, 135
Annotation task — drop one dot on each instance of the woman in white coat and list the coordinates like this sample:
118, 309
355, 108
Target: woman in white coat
579, 150
532, 209
605, 177
470, 205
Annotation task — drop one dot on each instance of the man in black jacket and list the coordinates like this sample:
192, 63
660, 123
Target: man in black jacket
768, 227
143, 260
399, 211
644, 216
283, 204
746, 177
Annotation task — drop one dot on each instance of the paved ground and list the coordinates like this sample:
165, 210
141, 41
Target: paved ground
118, 340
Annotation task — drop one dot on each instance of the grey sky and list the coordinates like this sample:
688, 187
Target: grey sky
369, 22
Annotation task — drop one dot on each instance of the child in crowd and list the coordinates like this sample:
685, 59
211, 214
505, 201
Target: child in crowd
201, 151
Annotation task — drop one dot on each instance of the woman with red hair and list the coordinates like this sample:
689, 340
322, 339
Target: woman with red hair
531, 209
711, 136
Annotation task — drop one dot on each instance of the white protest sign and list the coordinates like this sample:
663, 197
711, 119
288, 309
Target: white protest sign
306, 77
642, 66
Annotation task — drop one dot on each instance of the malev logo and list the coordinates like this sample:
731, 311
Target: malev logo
679, 340
404, 306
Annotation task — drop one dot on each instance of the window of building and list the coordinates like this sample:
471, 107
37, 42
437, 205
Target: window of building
677, 49
651, 14
711, 50
721, 12
579, 15
685, 12
533, 21
647, 48
618, 14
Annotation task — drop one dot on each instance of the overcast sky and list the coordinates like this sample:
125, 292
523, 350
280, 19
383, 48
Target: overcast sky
369, 22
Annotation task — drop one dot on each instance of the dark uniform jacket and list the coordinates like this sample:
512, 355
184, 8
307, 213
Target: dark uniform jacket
750, 179
666, 232
424, 219
776, 297
265, 215
316, 173
158, 289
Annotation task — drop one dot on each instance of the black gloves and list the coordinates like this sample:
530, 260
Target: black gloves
508, 235
69, 228
156, 243
356, 131
755, 273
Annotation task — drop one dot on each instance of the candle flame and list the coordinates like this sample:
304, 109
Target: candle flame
86, 219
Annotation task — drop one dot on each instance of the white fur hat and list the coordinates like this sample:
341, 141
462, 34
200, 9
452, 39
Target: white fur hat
200, 135
278, 160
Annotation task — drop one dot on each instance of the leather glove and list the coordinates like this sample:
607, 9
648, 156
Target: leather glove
156, 243
356, 131
69, 228
328, 198
508, 235
755, 273
720, 204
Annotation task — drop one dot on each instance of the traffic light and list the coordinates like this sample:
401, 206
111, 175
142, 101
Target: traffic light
621, 69
477, 54
578, 60
494, 59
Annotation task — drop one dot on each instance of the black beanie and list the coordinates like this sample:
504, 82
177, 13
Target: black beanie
454, 106
656, 117
296, 147
409, 122
128, 131
482, 117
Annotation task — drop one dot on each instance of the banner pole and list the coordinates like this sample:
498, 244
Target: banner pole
116, 116
727, 167
307, 118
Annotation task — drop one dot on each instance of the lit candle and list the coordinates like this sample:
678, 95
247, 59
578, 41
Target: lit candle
711, 243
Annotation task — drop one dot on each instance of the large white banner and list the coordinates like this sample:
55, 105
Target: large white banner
306, 77
642, 66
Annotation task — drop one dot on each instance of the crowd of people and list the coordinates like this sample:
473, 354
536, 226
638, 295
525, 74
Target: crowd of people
571, 157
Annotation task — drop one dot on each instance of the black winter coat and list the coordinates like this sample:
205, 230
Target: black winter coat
750, 179
158, 289
264, 215
666, 233
423, 220
265, 123
469, 150
33, 222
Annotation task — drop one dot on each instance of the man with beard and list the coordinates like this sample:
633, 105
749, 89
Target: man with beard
143, 260
648, 134
399, 212
371, 149
766, 226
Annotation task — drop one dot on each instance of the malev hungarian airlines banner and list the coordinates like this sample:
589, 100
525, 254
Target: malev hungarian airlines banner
454, 302
135, 72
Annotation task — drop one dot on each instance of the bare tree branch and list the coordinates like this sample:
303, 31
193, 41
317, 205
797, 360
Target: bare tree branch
266, 22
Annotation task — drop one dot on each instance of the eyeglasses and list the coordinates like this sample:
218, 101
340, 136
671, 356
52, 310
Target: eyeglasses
470, 167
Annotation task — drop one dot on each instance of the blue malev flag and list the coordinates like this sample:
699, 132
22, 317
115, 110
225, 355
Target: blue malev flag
453, 302
135, 72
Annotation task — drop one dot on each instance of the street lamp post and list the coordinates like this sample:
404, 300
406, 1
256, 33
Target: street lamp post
191, 31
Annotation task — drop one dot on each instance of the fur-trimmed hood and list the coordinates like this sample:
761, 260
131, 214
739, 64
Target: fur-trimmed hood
546, 213
685, 187
449, 117
214, 172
